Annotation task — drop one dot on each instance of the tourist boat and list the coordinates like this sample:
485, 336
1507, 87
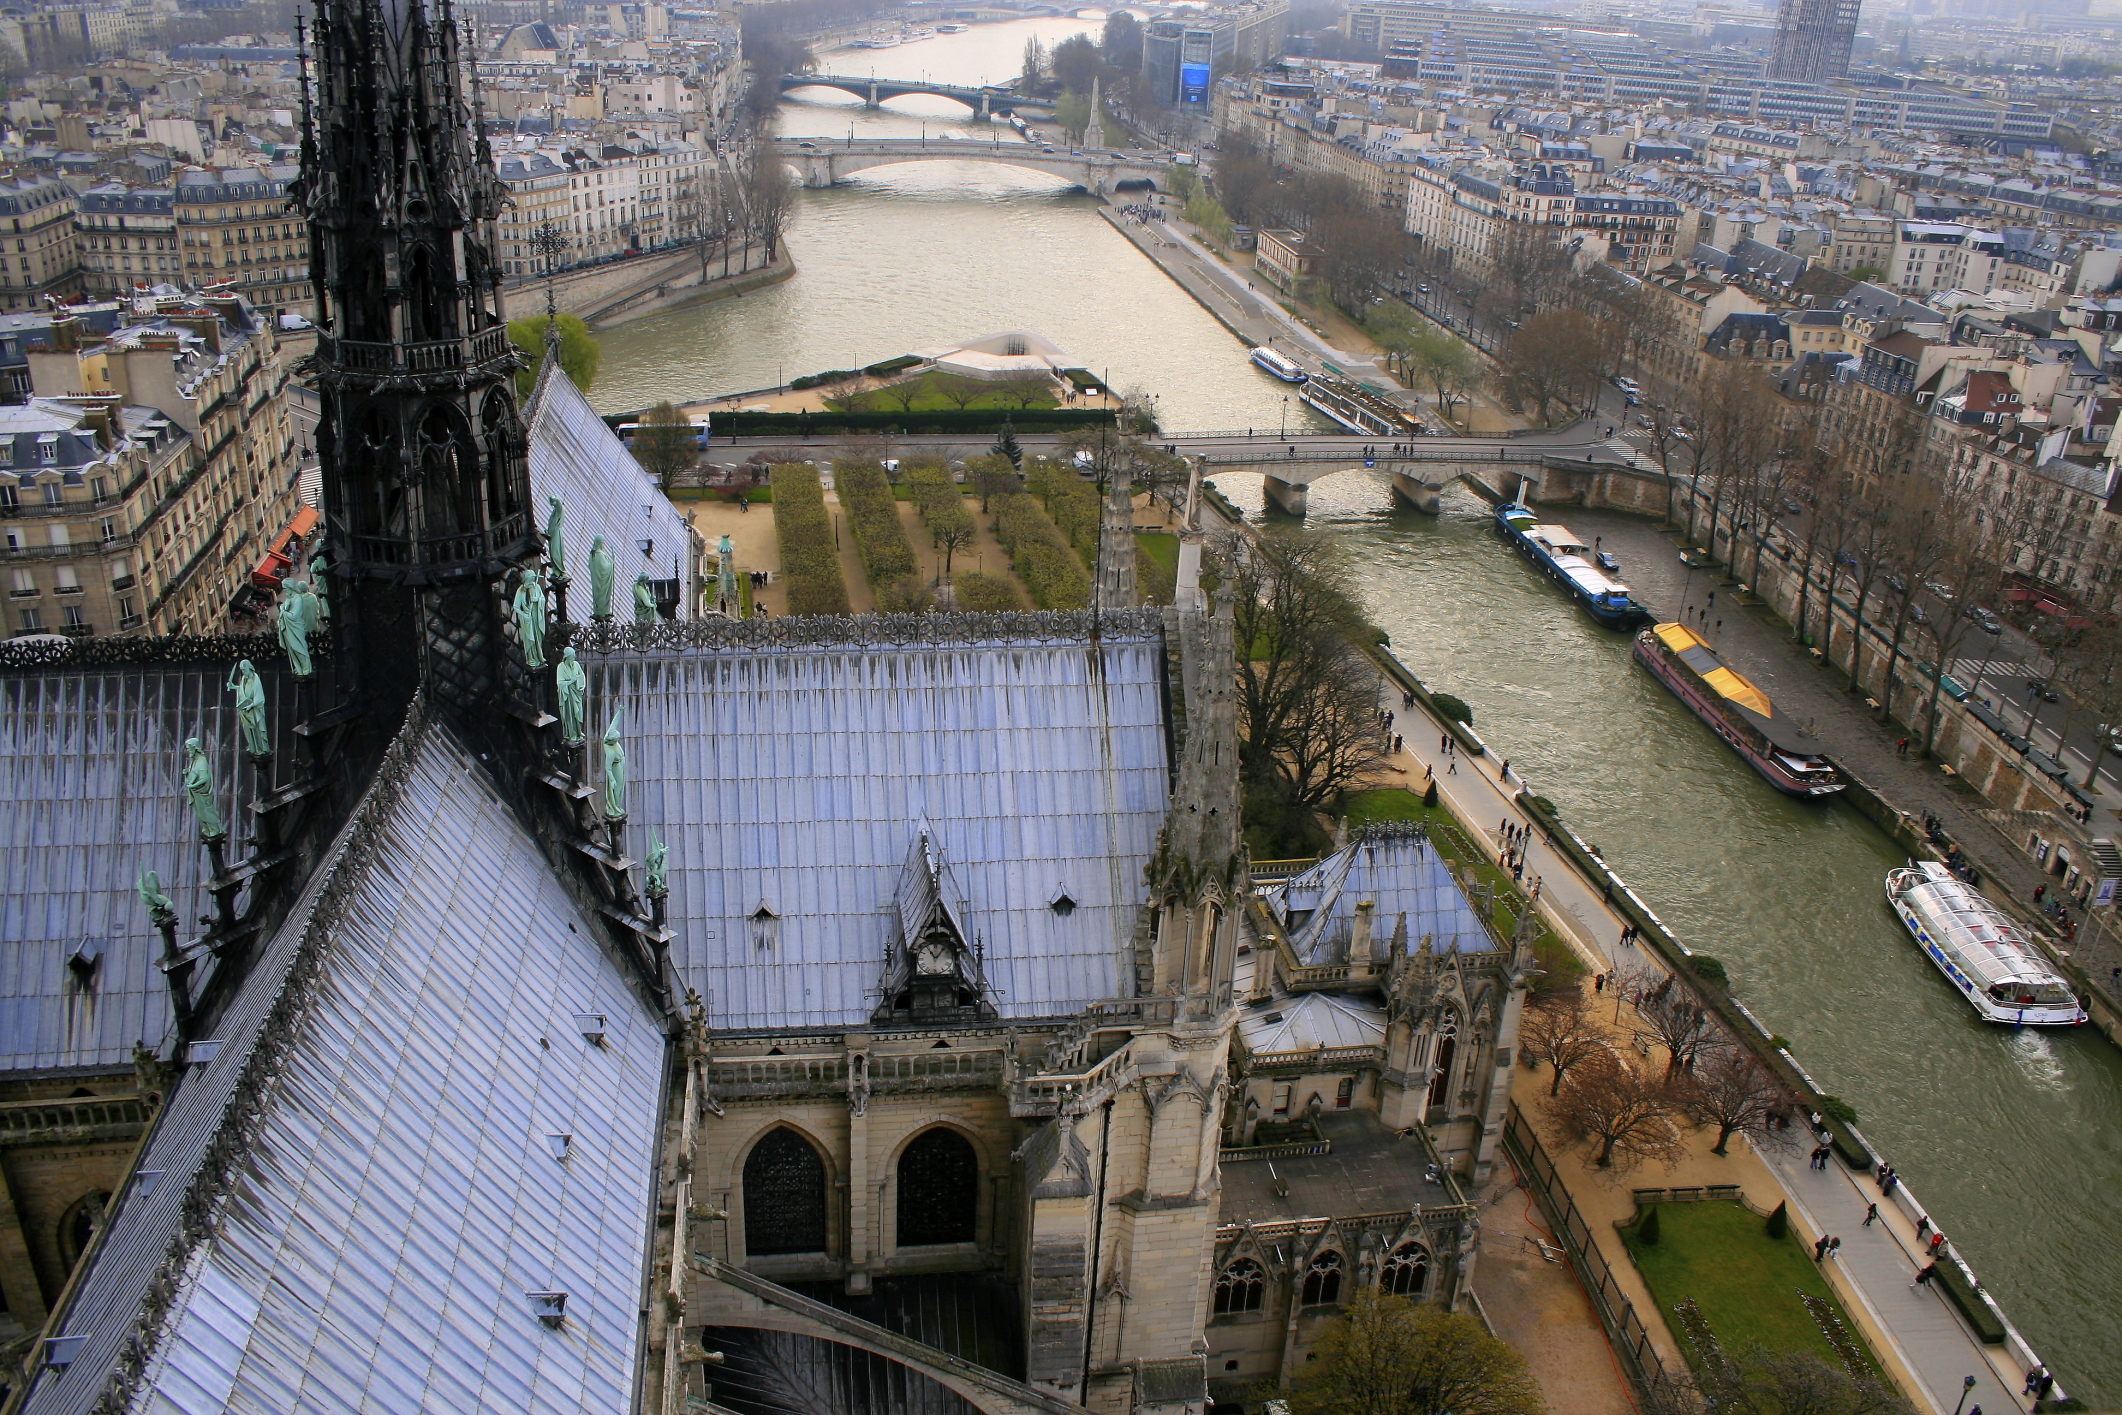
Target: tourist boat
1565, 561
952, 29
1355, 407
1280, 367
1738, 711
1995, 966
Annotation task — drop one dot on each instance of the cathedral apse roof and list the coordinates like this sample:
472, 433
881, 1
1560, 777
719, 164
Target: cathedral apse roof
355, 1203
1397, 870
791, 765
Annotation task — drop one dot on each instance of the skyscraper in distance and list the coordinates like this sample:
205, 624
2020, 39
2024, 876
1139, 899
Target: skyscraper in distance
1813, 39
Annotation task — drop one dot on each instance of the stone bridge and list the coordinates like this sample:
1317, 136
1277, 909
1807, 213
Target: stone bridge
1560, 466
985, 100
733, 1297
826, 161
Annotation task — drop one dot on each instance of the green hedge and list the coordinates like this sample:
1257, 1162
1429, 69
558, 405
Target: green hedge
1071, 501
942, 501
984, 593
810, 561
965, 422
1038, 552
873, 516
891, 366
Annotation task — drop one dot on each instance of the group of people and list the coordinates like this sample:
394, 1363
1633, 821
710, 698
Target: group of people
1143, 213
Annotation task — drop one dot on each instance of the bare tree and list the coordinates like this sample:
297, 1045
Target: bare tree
1628, 1114
950, 537
959, 391
1024, 389
769, 198
665, 444
1553, 360
1731, 1090
1668, 1015
1557, 1027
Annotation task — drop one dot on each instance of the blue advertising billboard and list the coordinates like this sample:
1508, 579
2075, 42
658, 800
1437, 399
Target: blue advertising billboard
1193, 83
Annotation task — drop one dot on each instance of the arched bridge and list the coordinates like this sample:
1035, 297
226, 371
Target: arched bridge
1536, 466
825, 161
985, 100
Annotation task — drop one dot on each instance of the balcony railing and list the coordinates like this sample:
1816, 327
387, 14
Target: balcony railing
431, 356
496, 540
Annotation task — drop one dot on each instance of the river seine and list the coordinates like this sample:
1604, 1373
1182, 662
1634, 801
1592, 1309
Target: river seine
2014, 1140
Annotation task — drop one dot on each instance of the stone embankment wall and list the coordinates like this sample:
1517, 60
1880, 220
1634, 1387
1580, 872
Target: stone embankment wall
628, 289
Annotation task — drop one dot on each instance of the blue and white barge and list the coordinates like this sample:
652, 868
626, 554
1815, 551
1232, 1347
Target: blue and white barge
2000, 972
1565, 560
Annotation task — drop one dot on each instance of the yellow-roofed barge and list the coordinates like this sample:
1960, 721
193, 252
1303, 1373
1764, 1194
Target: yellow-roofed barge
1738, 711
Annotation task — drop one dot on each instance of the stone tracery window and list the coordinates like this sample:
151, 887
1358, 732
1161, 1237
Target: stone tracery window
1322, 1281
939, 1189
1241, 1287
784, 1195
1406, 1271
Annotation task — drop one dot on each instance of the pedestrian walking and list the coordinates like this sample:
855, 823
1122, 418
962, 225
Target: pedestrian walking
1599, 983
1712, 599
1871, 1212
1506, 769
2043, 1386
1834, 1246
1536, 889
2039, 890
1937, 1244
1451, 768
1399, 743
1444, 742
1902, 747
1820, 1249
1923, 1276
1720, 627
2033, 1378
1922, 1225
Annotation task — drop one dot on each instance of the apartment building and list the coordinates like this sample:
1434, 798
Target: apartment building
195, 525
127, 237
538, 189
70, 470
37, 251
236, 228
1179, 55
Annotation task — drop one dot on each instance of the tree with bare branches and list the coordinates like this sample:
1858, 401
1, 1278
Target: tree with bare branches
1625, 1112
1558, 1027
1666, 1014
1732, 1090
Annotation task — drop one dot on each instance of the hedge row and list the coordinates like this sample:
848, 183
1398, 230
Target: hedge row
961, 422
942, 501
810, 561
873, 515
983, 593
1072, 502
1039, 553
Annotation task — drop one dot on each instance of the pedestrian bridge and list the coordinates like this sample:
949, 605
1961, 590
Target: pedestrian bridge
823, 162
985, 100
1496, 469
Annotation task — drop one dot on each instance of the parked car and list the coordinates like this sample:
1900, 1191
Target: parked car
1897, 584
1939, 588
1608, 562
1987, 622
2039, 688
1422, 289
1792, 506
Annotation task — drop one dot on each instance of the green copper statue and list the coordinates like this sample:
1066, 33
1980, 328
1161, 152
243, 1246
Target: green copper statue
199, 786
614, 770
658, 865
298, 609
556, 537
317, 567
529, 613
601, 574
572, 685
250, 709
644, 600
160, 909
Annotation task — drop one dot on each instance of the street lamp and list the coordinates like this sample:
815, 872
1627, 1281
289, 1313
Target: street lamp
1285, 415
1967, 1383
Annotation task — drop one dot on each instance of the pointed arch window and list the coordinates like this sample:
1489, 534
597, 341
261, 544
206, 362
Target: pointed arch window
1322, 1281
1447, 1051
1406, 1271
784, 1195
1241, 1287
939, 1189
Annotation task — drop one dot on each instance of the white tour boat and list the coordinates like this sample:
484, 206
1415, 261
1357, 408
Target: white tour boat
1995, 966
1274, 363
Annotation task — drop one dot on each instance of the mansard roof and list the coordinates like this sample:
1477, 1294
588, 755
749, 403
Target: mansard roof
575, 456
792, 766
1398, 871
353, 1197
92, 770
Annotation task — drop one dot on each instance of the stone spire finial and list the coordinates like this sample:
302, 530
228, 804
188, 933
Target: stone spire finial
1116, 549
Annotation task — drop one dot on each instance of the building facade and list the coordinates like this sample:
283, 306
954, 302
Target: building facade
38, 256
128, 237
236, 229
1813, 40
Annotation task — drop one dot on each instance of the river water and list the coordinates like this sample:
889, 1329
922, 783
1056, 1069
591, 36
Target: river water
2014, 1140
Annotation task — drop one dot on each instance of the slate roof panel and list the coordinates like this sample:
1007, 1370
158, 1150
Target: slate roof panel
388, 1213
798, 778
92, 770
575, 456
1402, 875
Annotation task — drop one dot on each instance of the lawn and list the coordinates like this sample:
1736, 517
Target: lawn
1745, 1285
1556, 958
932, 393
